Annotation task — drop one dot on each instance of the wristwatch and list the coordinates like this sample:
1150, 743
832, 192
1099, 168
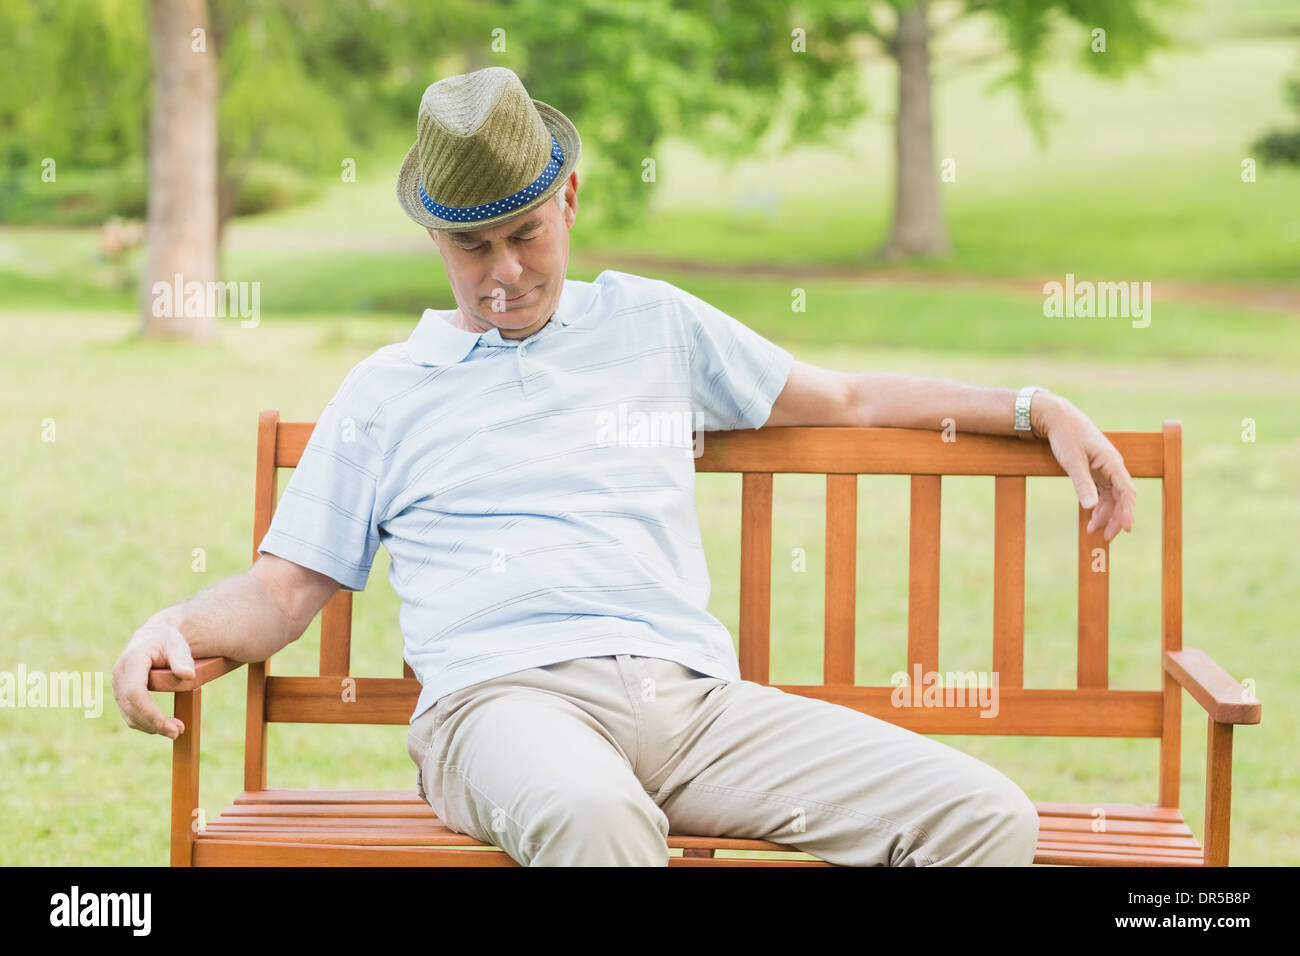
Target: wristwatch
1023, 399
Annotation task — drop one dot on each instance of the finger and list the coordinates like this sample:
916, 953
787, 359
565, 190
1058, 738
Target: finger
1112, 527
179, 657
1130, 500
1124, 491
138, 708
1102, 511
1126, 509
1077, 468
1101, 516
1108, 514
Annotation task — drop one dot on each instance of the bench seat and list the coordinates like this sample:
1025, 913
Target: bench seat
335, 827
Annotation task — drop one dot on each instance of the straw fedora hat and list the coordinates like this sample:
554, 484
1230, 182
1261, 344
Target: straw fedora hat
485, 153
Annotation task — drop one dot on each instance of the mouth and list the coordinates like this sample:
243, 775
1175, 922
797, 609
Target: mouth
519, 298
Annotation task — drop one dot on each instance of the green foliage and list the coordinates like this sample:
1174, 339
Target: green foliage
75, 82
309, 83
1283, 146
1130, 34
75, 197
303, 85
723, 74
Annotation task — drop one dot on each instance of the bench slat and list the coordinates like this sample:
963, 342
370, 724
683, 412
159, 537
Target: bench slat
1187, 857
294, 795
1114, 811
336, 635
1166, 840
1047, 808
1062, 712
1009, 580
355, 811
755, 577
923, 576
320, 700
255, 853
1071, 857
232, 852
1093, 604
361, 836
1171, 607
824, 450
841, 578
1083, 828
1021, 712
1171, 836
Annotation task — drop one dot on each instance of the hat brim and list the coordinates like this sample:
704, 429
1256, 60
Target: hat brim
408, 179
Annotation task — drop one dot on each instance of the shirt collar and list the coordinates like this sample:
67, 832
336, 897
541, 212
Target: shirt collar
435, 341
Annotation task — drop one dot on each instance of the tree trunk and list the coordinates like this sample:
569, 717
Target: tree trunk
919, 228
182, 183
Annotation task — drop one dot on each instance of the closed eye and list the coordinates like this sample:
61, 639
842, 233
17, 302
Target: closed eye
481, 248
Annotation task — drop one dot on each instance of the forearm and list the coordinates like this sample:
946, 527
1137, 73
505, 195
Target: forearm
899, 400
239, 618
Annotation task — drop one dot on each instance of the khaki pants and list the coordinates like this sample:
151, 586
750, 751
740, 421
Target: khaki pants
594, 761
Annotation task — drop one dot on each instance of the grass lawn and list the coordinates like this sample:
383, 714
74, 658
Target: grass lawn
153, 459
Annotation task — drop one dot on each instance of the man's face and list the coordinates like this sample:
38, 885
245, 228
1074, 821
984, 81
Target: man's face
510, 277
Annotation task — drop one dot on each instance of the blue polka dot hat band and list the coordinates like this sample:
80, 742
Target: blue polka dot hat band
513, 201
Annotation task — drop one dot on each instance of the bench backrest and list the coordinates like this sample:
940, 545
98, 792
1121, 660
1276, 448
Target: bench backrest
1091, 709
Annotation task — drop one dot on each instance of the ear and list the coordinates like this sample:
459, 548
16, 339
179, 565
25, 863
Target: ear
569, 212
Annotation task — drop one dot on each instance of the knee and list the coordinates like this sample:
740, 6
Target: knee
1010, 830
995, 824
590, 826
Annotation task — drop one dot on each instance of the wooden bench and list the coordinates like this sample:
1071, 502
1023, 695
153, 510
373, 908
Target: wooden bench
321, 827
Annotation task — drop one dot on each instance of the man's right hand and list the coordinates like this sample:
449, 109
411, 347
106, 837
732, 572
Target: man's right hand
158, 643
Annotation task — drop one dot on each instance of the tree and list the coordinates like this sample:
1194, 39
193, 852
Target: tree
1119, 36
181, 234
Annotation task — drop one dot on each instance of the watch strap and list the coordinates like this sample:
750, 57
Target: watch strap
1023, 399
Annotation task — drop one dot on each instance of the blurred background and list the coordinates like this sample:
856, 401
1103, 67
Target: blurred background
912, 174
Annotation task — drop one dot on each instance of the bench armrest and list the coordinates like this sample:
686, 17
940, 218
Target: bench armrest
1225, 700
205, 669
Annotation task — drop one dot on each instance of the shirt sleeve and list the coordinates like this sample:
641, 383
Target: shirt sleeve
736, 374
327, 519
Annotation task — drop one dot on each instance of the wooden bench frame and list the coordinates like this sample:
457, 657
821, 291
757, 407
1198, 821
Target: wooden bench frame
307, 827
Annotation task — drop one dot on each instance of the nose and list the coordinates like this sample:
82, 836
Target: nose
506, 270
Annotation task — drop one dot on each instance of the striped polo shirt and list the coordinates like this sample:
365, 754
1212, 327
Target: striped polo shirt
536, 496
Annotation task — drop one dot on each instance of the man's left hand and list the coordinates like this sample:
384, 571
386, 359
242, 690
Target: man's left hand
1092, 462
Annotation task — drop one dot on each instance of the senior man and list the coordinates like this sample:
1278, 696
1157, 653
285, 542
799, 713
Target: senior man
578, 701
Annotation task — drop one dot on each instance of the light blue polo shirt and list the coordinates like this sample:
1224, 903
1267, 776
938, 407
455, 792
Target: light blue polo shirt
537, 495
